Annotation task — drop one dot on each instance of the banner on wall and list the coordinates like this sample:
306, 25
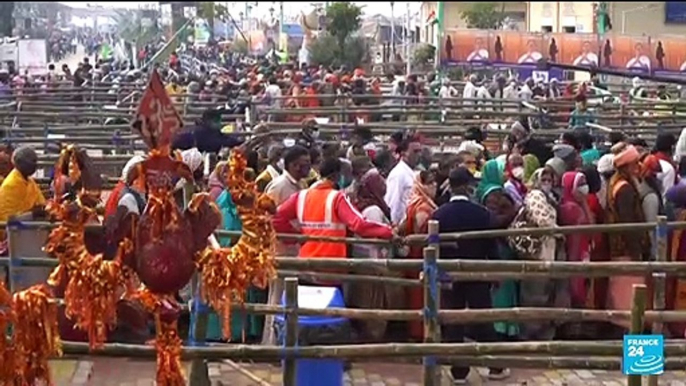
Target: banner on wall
525, 49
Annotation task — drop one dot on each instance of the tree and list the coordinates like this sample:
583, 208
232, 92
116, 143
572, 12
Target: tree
424, 54
485, 15
209, 10
343, 19
325, 51
6, 18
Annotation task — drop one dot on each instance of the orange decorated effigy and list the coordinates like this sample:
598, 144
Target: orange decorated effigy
159, 253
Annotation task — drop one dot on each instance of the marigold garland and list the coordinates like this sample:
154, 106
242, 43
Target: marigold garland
227, 273
6, 349
167, 341
35, 335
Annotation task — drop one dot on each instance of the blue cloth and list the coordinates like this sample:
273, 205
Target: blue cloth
230, 217
463, 216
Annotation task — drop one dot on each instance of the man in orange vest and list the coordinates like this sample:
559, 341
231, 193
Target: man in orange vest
324, 210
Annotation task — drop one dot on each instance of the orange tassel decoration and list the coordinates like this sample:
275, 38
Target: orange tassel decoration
6, 349
167, 341
227, 273
91, 297
36, 336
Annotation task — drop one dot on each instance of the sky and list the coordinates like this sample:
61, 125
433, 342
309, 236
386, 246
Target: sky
291, 7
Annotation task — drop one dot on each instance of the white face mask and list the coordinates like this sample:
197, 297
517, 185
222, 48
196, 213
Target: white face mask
281, 164
547, 187
315, 134
583, 190
518, 172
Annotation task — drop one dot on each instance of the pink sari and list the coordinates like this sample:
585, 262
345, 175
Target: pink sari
578, 245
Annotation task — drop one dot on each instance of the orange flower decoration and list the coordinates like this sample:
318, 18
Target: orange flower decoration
36, 336
167, 341
227, 273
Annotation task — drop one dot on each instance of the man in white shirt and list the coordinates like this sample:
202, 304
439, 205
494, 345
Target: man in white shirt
401, 178
447, 90
527, 93
469, 91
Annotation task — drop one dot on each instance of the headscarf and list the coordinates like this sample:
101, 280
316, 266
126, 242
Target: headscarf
216, 180
558, 165
606, 164
370, 192
627, 155
531, 164
130, 166
570, 183
491, 179
650, 166
420, 193
192, 158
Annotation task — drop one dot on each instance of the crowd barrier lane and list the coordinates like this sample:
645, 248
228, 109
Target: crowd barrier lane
432, 277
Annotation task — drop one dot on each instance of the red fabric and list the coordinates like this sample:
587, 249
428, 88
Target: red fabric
415, 295
667, 158
113, 199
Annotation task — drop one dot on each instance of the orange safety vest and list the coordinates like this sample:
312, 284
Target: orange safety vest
317, 217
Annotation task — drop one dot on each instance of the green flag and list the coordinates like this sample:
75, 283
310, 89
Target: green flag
439, 37
105, 51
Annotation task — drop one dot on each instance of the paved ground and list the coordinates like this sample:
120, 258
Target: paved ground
123, 372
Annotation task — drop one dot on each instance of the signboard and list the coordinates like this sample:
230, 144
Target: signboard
33, 56
524, 50
675, 12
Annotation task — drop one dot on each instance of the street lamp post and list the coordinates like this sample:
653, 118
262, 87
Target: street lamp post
392, 29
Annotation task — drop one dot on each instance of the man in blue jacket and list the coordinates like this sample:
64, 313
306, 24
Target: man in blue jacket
460, 214
206, 135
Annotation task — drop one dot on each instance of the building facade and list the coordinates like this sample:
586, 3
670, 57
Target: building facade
650, 18
645, 18
561, 16
452, 16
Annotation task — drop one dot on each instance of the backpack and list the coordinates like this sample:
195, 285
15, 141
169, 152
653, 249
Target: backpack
140, 200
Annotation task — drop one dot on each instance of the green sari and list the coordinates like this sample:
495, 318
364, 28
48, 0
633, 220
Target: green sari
505, 295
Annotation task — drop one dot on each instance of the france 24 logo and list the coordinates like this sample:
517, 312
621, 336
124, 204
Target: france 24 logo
643, 355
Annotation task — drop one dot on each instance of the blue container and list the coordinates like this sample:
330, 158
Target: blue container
315, 372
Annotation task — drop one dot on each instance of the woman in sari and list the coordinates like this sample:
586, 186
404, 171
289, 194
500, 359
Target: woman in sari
492, 195
419, 210
541, 212
624, 206
369, 200
216, 180
514, 172
574, 211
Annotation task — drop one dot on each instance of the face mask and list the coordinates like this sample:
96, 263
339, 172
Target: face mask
547, 187
518, 172
583, 190
315, 134
281, 164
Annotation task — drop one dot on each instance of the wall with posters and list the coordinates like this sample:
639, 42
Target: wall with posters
525, 49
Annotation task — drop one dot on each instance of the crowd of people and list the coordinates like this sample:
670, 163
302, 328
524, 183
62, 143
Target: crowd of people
366, 190
381, 188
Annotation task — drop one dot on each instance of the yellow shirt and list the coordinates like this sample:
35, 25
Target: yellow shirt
18, 195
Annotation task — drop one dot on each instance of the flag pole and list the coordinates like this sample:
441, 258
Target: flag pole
439, 36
